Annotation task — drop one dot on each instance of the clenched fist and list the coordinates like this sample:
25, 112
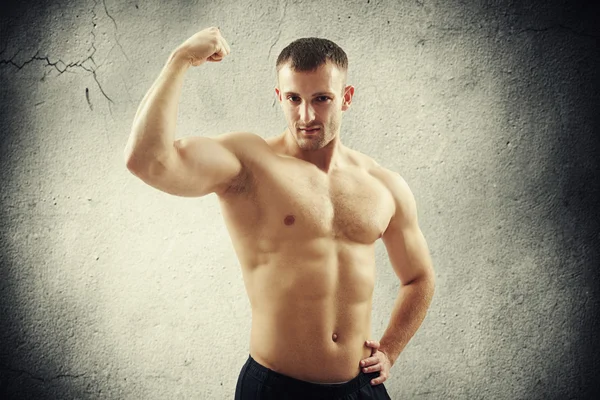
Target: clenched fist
206, 45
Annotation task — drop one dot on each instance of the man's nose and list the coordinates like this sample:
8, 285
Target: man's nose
307, 114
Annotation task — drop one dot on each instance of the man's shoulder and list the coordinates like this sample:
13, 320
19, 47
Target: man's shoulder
361, 160
244, 144
391, 180
369, 164
240, 139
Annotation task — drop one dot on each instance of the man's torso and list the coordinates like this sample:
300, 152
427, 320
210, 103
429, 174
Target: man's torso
305, 241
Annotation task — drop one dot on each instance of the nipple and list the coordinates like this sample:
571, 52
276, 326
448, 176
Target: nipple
289, 220
334, 337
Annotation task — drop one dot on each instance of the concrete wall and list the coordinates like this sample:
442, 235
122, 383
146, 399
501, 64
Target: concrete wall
111, 289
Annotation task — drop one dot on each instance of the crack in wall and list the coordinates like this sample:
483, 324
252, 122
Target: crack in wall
87, 97
62, 67
94, 16
71, 65
116, 30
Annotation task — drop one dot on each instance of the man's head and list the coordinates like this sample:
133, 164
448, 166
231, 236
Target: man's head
311, 88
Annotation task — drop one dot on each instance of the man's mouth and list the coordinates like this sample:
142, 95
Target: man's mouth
309, 130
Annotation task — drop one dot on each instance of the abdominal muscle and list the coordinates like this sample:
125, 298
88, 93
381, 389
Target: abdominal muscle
311, 318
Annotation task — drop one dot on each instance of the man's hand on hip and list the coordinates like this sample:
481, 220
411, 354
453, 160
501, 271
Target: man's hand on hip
378, 361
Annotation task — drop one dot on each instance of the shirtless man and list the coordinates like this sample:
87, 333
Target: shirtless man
304, 212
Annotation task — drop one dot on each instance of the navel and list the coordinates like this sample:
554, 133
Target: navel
334, 337
289, 220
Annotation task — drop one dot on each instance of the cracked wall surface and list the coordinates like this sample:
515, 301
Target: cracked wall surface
111, 289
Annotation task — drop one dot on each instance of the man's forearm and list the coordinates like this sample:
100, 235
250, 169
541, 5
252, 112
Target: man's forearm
408, 313
154, 125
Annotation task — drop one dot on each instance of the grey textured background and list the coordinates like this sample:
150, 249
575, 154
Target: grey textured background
111, 289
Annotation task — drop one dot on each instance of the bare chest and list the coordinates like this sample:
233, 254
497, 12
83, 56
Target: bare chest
304, 203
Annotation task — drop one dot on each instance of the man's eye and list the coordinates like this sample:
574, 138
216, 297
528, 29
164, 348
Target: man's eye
292, 98
323, 98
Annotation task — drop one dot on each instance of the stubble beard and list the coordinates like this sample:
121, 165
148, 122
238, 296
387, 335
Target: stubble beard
317, 142
313, 143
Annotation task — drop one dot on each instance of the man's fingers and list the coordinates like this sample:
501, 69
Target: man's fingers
226, 45
378, 381
369, 361
223, 47
372, 343
373, 368
222, 51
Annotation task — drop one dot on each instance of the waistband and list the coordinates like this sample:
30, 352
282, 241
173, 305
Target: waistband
299, 387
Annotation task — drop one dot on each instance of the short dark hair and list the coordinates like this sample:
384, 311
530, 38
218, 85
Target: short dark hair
308, 54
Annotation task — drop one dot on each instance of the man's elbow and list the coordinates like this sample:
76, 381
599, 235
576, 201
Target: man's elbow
131, 159
135, 166
142, 166
427, 281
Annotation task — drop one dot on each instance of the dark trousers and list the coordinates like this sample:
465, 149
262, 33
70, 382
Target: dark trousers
257, 382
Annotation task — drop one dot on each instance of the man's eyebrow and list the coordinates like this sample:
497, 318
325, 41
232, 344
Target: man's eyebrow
315, 94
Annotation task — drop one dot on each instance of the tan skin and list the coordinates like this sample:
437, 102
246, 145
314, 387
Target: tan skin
303, 211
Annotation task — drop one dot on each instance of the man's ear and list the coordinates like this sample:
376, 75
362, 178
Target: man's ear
278, 94
347, 100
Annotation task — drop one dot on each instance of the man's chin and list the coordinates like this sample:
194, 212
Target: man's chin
310, 144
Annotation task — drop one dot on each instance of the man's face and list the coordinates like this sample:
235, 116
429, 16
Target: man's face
313, 100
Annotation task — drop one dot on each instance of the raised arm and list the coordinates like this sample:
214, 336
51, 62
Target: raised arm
190, 166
